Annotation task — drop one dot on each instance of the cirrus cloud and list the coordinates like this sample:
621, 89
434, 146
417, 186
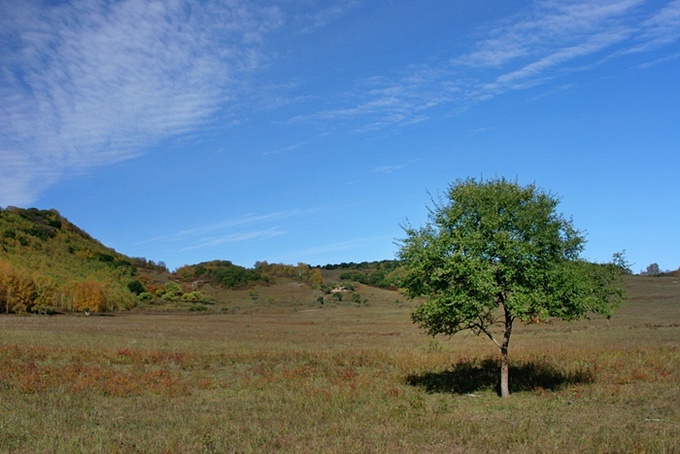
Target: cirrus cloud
88, 83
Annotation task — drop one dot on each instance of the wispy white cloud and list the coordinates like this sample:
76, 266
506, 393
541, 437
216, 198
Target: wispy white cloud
382, 101
553, 38
86, 83
659, 61
329, 13
224, 229
660, 29
389, 168
548, 27
546, 41
246, 228
323, 251
482, 130
214, 241
548, 66
286, 149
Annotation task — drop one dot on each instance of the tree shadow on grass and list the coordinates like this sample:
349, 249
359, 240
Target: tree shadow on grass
484, 375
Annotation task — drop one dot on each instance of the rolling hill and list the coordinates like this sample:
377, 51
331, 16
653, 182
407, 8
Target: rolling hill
50, 265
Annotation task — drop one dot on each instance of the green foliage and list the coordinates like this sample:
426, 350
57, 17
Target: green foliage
146, 297
196, 297
619, 260
383, 274
220, 272
301, 271
497, 245
136, 287
171, 292
356, 298
652, 270
343, 266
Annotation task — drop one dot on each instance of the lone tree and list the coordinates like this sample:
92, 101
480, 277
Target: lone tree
496, 252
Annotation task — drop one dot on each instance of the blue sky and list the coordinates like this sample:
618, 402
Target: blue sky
309, 131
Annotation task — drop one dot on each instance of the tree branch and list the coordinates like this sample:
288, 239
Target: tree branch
482, 329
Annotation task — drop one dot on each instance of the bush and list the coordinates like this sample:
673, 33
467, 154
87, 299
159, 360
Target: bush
197, 297
136, 287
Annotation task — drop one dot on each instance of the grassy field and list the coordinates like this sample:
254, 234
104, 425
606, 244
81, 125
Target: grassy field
304, 377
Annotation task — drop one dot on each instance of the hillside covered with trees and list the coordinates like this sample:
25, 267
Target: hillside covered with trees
49, 265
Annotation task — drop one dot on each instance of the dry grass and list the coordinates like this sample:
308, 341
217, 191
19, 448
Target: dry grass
299, 377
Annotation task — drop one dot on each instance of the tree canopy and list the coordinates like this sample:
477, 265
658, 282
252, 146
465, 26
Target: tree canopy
494, 252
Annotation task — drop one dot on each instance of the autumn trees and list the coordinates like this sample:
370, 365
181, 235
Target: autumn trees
24, 290
48, 264
17, 291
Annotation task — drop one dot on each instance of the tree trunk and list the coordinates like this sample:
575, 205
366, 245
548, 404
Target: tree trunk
505, 373
505, 364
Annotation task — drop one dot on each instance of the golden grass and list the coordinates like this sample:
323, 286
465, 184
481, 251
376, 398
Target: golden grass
342, 378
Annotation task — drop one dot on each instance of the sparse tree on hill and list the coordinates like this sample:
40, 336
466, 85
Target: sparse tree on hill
653, 270
619, 260
317, 277
496, 252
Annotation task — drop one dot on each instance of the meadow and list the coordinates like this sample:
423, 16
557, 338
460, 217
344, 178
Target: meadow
337, 378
